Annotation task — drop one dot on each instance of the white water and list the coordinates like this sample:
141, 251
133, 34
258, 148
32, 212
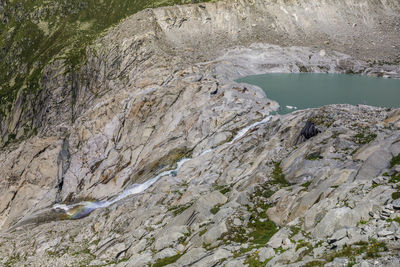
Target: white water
138, 188
242, 132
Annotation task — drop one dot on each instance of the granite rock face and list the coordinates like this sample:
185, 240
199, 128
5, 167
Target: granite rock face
159, 88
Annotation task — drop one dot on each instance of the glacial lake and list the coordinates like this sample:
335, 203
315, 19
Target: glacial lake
294, 91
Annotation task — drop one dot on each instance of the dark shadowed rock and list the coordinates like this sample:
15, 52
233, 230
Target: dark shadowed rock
309, 130
396, 204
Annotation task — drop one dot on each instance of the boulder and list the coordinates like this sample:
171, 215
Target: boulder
168, 238
385, 233
396, 204
266, 253
374, 164
277, 239
309, 130
214, 233
165, 253
338, 235
343, 217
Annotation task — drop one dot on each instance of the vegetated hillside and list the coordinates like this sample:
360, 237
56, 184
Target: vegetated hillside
32, 33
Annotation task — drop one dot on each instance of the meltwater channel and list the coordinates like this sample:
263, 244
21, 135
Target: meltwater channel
82, 209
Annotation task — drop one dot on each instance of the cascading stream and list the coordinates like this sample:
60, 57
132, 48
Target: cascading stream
82, 209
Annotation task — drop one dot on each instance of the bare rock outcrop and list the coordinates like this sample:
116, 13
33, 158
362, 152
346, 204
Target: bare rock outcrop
158, 90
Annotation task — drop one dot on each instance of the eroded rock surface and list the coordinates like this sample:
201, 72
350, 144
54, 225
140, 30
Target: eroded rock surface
159, 88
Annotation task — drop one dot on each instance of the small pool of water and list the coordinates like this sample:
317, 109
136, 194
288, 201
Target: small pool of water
310, 90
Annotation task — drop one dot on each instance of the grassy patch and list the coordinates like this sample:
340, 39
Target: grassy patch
302, 244
223, 189
85, 252
263, 192
396, 195
322, 120
313, 157
354, 151
215, 209
371, 249
254, 260
306, 184
364, 138
202, 232
258, 230
394, 220
395, 178
207, 246
13, 260
395, 161
262, 230
294, 230
277, 175
235, 234
362, 222
315, 263
167, 260
176, 210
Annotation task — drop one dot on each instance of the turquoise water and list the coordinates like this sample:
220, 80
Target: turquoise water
311, 90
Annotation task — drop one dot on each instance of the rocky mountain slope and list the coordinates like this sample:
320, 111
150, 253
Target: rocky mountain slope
157, 90
34, 34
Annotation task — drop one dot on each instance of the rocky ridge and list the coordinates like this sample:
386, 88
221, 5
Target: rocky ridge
154, 91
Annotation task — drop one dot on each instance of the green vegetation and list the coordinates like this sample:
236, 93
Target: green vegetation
395, 161
11, 139
12, 260
262, 230
322, 120
182, 239
202, 232
208, 247
395, 178
362, 222
394, 220
368, 250
258, 230
223, 189
396, 195
83, 251
315, 263
294, 230
277, 175
35, 32
215, 209
313, 156
354, 151
364, 138
262, 191
176, 210
254, 261
302, 244
306, 184
372, 249
260, 226
167, 260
